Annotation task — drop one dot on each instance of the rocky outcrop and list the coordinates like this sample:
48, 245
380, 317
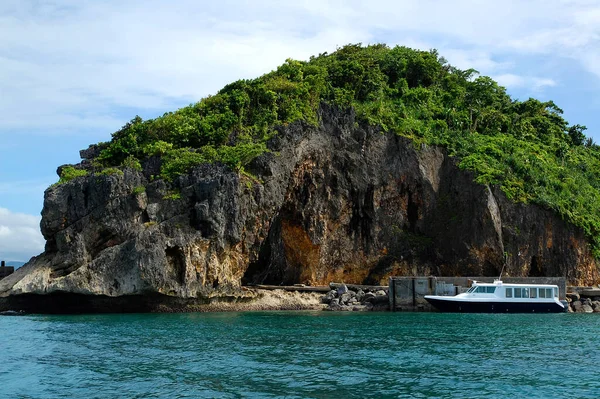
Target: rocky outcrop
337, 202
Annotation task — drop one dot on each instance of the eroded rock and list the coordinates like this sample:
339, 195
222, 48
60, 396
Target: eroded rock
339, 202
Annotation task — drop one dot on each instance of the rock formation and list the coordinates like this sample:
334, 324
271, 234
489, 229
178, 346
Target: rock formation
338, 202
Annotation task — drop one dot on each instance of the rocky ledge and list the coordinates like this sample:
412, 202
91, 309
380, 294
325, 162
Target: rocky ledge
341, 201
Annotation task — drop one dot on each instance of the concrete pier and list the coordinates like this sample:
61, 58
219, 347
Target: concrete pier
407, 293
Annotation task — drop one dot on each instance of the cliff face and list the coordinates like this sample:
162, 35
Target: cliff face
340, 202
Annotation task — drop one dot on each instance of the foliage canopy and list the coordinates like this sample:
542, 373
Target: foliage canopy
525, 147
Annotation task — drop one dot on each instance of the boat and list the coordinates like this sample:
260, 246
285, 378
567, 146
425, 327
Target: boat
499, 297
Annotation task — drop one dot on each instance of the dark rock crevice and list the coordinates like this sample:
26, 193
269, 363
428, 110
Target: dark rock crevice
176, 264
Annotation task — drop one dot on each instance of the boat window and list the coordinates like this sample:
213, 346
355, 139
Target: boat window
472, 289
533, 293
490, 290
509, 292
548, 292
517, 293
481, 290
556, 292
542, 293
525, 292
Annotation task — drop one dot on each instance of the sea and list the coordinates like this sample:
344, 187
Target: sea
300, 354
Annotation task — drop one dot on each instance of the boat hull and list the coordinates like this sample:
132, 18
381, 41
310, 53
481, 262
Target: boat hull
494, 307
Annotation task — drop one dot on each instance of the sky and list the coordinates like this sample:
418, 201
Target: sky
74, 71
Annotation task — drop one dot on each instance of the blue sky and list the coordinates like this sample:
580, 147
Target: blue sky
73, 71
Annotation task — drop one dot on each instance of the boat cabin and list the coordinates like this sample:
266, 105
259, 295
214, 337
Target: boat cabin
517, 291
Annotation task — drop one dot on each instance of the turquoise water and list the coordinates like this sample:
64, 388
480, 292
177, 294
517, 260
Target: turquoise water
300, 355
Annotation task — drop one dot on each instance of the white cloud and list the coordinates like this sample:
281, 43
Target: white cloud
20, 236
476, 59
540, 83
510, 80
515, 81
67, 65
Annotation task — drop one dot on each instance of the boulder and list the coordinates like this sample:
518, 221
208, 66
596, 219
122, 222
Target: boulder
359, 295
368, 297
328, 297
342, 289
587, 309
345, 298
573, 296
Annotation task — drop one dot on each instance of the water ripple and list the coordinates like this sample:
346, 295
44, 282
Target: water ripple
298, 355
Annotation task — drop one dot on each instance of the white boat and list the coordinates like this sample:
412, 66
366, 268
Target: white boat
499, 297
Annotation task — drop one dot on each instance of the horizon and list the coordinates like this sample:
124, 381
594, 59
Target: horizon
73, 72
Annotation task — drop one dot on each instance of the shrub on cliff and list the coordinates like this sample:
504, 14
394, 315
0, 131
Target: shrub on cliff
525, 147
132, 163
179, 161
110, 171
69, 173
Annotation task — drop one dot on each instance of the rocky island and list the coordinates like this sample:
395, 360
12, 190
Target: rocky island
351, 167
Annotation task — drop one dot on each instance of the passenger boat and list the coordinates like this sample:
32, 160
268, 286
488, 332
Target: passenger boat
498, 297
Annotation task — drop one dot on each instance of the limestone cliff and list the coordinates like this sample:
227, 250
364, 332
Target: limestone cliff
337, 202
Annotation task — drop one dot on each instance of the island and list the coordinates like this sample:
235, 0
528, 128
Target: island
351, 167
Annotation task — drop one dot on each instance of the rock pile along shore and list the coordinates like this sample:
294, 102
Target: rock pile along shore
343, 298
578, 304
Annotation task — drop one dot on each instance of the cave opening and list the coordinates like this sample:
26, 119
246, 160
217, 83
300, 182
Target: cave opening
412, 213
176, 263
535, 267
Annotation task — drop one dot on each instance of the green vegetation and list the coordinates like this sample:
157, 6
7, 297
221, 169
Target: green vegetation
69, 173
132, 163
172, 195
524, 147
111, 171
138, 190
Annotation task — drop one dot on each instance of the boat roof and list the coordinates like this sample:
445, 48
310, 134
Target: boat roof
497, 283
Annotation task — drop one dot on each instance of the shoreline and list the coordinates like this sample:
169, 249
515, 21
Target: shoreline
248, 300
